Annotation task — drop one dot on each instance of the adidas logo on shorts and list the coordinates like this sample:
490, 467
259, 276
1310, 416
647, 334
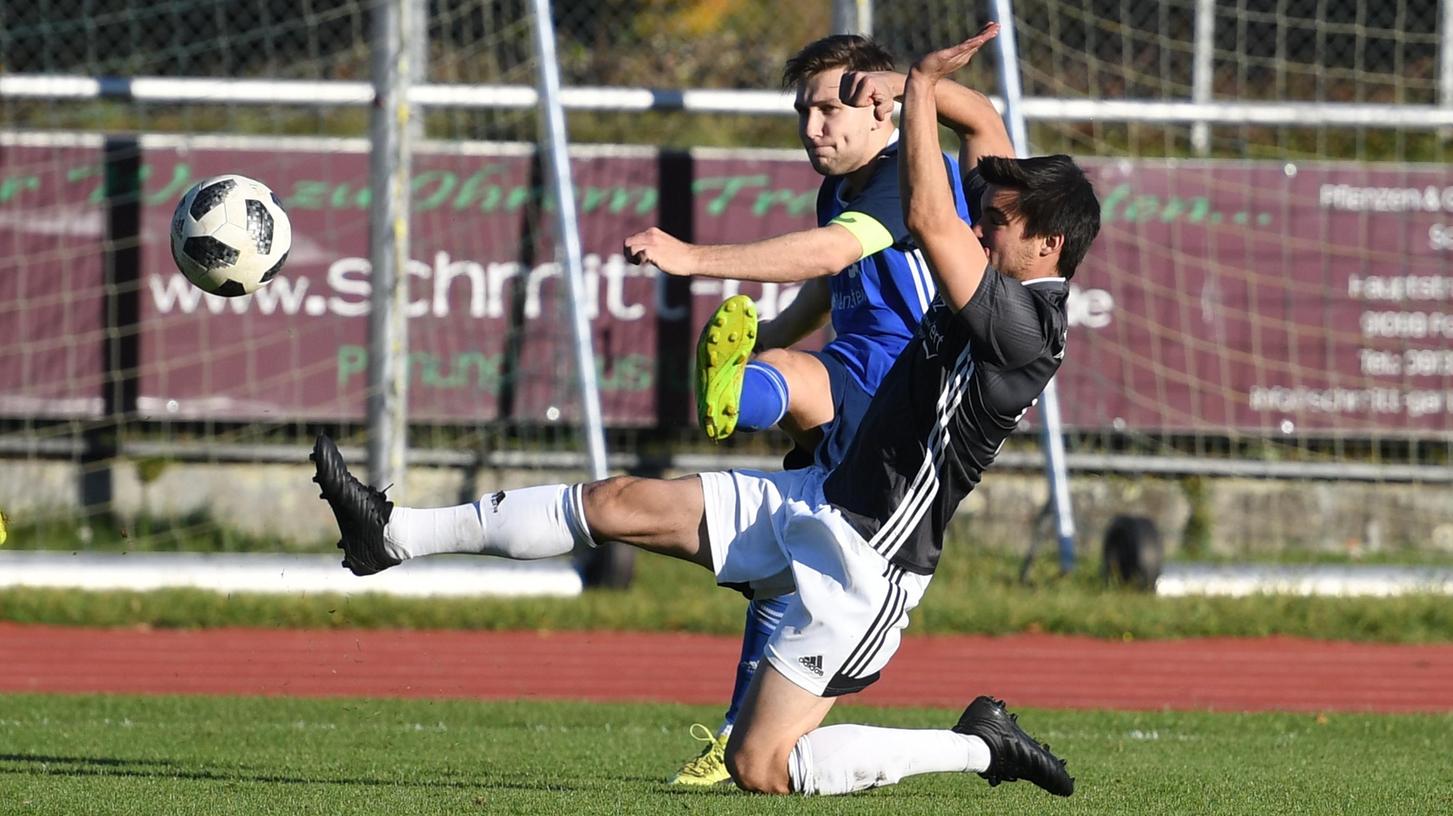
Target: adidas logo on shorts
812, 664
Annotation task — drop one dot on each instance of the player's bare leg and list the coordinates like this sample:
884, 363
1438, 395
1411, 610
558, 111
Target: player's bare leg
777, 712
664, 516
809, 403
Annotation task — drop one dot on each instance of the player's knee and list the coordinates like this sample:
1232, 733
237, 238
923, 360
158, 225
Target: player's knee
780, 359
605, 512
758, 771
809, 387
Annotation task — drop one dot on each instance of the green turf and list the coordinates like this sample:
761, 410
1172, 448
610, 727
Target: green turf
150, 755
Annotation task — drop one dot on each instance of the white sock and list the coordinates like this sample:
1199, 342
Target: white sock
846, 758
531, 522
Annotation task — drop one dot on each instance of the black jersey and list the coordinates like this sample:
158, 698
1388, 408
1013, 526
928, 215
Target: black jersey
957, 390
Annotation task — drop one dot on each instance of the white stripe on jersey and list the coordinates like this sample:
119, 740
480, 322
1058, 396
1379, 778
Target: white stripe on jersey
915, 272
900, 526
925, 482
929, 287
938, 440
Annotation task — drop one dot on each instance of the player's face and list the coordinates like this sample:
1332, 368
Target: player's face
1001, 231
837, 137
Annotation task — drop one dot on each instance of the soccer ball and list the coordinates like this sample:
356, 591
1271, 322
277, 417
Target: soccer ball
230, 235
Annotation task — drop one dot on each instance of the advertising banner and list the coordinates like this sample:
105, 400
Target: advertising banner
1275, 297
52, 284
1266, 297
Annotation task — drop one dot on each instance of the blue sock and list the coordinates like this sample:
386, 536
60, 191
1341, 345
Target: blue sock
762, 619
764, 397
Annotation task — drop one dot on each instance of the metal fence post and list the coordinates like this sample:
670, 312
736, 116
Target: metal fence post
1052, 435
610, 564
1201, 67
1445, 60
417, 42
388, 244
852, 17
557, 159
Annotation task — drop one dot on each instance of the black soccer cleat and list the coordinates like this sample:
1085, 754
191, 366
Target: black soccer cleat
361, 511
1013, 754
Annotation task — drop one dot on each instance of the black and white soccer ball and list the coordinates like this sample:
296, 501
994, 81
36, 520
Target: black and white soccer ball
230, 235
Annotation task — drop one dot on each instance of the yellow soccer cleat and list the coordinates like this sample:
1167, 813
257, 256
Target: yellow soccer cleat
722, 353
3, 534
710, 767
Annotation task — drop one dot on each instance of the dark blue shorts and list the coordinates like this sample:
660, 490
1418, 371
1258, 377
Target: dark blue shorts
849, 403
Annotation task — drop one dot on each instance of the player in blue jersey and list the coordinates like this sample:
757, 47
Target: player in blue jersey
859, 267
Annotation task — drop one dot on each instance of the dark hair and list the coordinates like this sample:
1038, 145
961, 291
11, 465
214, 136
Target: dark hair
1055, 198
849, 52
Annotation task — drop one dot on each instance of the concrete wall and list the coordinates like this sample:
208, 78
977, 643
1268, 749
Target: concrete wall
1227, 517
1223, 516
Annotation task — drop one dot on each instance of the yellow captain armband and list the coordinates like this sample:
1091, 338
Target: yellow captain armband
872, 235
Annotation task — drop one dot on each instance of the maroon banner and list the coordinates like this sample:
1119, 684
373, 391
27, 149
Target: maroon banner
1263, 297
1277, 297
52, 287
488, 329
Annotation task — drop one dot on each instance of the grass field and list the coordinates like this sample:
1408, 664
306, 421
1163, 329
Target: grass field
158, 755
163, 755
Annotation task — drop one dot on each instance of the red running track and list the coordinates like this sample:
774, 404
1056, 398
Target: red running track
1028, 670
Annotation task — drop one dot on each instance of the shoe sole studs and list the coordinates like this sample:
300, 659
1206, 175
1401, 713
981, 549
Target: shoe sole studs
728, 341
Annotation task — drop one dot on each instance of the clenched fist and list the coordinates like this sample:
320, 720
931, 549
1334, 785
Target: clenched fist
654, 246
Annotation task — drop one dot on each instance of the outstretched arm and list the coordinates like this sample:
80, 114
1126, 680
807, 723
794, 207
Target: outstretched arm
802, 255
971, 115
953, 251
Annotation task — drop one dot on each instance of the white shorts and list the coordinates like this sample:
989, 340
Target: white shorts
773, 533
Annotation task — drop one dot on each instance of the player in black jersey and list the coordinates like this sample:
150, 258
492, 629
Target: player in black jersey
987, 346
858, 543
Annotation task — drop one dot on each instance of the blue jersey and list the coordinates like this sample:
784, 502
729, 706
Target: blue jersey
878, 302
